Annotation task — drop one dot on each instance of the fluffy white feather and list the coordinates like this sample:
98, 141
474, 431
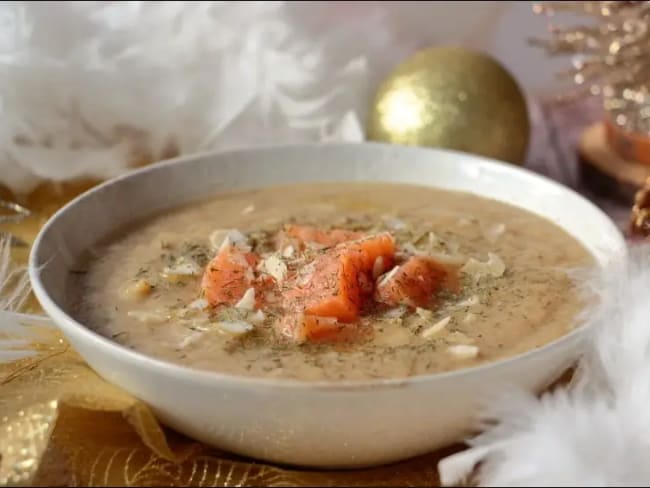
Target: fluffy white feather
14, 291
14, 281
594, 432
90, 87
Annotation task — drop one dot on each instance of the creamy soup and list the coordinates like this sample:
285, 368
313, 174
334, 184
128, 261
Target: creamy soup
336, 282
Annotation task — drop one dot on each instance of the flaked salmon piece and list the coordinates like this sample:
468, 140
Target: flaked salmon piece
331, 290
302, 328
305, 234
369, 249
414, 283
338, 280
228, 276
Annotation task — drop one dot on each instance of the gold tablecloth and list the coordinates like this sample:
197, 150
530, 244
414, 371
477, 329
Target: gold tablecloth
61, 425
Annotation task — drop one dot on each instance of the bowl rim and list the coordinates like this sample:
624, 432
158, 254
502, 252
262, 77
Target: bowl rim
71, 327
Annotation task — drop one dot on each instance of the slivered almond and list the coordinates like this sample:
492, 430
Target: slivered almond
199, 304
395, 313
235, 327
378, 267
190, 339
221, 238
275, 267
247, 302
148, 316
433, 240
470, 317
435, 328
424, 313
183, 267
459, 337
393, 223
494, 267
463, 351
468, 302
493, 232
388, 276
257, 318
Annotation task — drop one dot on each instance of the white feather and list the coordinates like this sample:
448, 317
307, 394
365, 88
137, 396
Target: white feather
14, 291
91, 87
14, 281
593, 432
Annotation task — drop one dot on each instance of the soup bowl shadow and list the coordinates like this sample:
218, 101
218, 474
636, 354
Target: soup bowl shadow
343, 424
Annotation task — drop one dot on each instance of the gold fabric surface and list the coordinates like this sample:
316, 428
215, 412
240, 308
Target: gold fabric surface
452, 98
62, 425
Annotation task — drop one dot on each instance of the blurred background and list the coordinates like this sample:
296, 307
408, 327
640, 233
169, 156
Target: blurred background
499, 28
91, 89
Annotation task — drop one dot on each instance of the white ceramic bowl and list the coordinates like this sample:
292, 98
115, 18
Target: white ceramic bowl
344, 424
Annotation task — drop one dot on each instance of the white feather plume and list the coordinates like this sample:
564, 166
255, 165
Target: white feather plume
14, 281
15, 329
595, 431
91, 86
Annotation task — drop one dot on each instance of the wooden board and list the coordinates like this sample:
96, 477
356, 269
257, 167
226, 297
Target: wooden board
604, 172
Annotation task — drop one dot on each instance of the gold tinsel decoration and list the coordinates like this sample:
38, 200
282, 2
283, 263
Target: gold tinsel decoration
611, 56
639, 225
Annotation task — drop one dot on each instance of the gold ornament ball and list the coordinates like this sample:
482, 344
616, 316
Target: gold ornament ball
453, 98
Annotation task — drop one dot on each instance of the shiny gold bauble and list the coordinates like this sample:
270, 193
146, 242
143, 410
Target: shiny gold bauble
453, 98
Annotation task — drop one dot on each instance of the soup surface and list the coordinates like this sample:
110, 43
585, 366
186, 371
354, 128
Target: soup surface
336, 282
